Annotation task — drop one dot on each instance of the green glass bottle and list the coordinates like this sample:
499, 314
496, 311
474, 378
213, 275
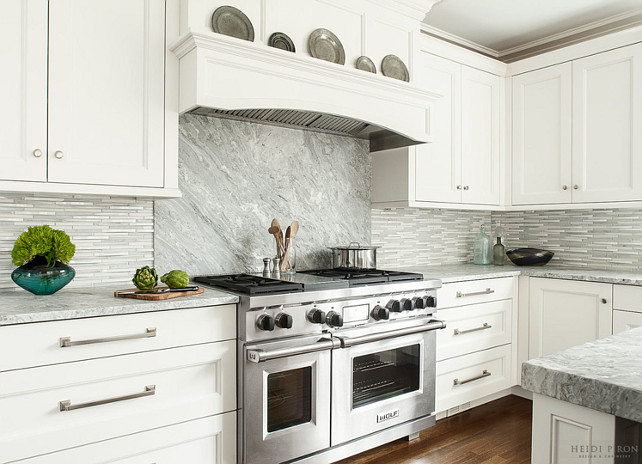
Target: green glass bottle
481, 248
499, 255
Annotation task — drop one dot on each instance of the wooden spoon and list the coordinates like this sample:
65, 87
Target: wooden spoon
285, 262
276, 230
290, 233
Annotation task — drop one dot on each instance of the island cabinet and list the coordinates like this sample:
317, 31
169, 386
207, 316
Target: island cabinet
461, 167
86, 109
574, 131
475, 353
565, 313
148, 387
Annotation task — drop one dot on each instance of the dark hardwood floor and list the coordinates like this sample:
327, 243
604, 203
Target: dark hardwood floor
498, 432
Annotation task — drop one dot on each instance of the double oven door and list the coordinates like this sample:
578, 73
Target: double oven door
304, 395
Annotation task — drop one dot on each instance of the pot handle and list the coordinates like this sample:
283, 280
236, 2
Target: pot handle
356, 243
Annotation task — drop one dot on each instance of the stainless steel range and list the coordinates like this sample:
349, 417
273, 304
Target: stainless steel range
332, 363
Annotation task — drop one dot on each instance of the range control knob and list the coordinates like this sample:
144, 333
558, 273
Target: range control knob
283, 320
265, 322
406, 304
394, 306
334, 319
316, 316
419, 302
380, 313
431, 301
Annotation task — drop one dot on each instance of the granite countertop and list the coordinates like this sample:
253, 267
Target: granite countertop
604, 375
461, 272
21, 307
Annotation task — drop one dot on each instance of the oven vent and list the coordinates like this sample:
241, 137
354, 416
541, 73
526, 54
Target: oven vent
457, 409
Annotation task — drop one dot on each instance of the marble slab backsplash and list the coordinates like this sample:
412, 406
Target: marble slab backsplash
113, 235
236, 176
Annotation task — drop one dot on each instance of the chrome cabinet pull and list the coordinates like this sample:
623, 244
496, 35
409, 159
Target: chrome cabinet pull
65, 342
476, 329
488, 291
37, 153
485, 373
66, 405
59, 154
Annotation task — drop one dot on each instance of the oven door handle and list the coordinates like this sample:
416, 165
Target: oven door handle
432, 324
257, 355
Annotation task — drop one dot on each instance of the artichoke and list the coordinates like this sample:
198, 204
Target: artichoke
175, 279
145, 278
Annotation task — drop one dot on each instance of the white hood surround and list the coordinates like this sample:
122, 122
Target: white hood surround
225, 77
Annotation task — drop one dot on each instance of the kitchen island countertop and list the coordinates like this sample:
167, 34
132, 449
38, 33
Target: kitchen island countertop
19, 307
604, 375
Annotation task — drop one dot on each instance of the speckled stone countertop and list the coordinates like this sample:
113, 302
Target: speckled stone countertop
462, 272
605, 375
22, 307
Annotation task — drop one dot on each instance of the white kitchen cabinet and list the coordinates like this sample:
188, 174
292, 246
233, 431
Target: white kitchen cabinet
626, 320
461, 167
627, 307
91, 100
23, 90
607, 115
565, 313
542, 136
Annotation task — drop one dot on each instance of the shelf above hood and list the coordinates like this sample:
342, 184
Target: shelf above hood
226, 77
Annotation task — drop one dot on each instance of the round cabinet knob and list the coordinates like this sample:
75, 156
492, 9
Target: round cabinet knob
564, 187
603, 300
334, 320
265, 322
576, 187
394, 306
431, 301
59, 154
406, 304
283, 321
466, 187
419, 302
316, 316
380, 313
37, 153
459, 187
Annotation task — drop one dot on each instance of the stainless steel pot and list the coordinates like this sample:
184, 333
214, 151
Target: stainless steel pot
354, 256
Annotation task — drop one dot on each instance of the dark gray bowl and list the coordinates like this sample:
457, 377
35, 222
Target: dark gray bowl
529, 256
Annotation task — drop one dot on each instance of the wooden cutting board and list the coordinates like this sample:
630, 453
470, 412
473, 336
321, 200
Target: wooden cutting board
154, 296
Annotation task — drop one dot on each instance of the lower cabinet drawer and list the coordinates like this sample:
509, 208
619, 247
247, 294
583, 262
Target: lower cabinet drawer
51, 408
626, 320
211, 440
474, 327
473, 376
475, 291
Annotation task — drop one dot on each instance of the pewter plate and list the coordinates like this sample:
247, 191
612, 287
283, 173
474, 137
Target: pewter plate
365, 64
324, 45
282, 41
392, 66
232, 22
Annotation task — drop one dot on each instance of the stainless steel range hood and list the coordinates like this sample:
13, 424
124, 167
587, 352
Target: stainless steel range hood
380, 139
225, 77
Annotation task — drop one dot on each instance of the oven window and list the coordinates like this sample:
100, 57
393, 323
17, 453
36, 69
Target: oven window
289, 399
385, 374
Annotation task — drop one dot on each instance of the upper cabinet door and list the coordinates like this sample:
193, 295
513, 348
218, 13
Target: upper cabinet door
480, 132
438, 164
23, 92
542, 136
607, 117
106, 92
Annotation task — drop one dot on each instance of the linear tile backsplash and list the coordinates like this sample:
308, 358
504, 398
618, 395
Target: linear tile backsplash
603, 238
113, 236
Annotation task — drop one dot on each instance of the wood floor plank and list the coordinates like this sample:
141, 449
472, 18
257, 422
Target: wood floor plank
498, 432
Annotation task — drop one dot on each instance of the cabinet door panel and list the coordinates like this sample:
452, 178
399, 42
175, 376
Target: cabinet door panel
23, 93
626, 320
542, 136
480, 107
106, 92
438, 164
566, 313
607, 141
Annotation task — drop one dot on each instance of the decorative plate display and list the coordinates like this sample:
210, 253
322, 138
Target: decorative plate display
324, 45
282, 41
232, 22
365, 64
392, 66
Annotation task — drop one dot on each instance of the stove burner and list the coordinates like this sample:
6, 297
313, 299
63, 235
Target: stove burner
357, 277
250, 284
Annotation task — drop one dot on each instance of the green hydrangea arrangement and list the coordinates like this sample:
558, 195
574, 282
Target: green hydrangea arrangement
43, 241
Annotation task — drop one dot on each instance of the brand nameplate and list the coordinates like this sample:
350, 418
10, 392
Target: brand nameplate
388, 415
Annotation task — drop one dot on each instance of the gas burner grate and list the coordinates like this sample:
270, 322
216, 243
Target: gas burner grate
358, 277
249, 284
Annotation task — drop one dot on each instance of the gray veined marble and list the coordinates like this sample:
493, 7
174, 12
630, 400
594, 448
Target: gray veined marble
236, 176
605, 375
